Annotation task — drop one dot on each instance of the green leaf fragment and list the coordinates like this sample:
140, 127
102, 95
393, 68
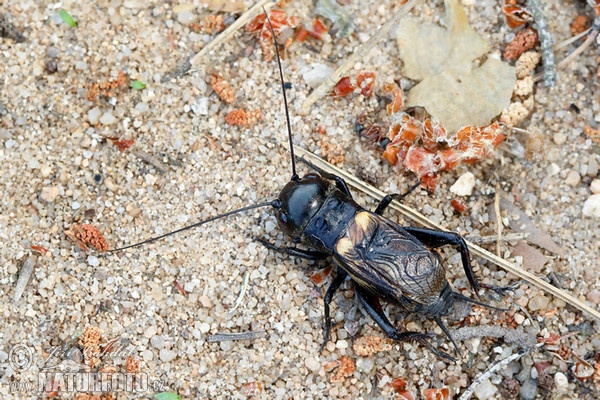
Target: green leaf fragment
167, 396
138, 85
67, 18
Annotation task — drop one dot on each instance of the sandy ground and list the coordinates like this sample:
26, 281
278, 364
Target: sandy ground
58, 168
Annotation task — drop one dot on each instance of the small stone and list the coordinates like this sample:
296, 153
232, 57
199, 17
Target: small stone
167, 355
485, 390
593, 296
150, 331
75, 205
204, 327
364, 365
313, 364
562, 383
559, 138
200, 106
158, 342
205, 301
591, 207
94, 115
341, 344
107, 119
93, 261
464, 185
573, 178
529, 389
595, 186
538, 303
519, 319
50, 193
316, 74
46, 171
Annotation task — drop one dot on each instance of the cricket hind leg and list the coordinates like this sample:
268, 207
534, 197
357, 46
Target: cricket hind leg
372, 306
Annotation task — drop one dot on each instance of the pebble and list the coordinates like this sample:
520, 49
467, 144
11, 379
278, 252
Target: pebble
485, 390
167, 355
591, 207
313, 364
50, 193
464, 185
46, 171
364, 365
573, 178
562, 383
519, 318
316, 74
94, 115
560, 138
594, 296
595, 186
107, 119
529, 389
158, 342
200, 106
538, 302
93, 261
185, 17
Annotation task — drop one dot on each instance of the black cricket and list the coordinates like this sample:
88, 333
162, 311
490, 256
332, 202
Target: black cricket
384, 260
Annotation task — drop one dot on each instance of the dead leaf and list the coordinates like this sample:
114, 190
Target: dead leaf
451, 88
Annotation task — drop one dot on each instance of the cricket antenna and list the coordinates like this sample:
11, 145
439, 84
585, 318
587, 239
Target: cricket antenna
275, 203
295, 176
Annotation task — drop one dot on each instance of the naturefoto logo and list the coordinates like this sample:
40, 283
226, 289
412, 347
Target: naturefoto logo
63, 370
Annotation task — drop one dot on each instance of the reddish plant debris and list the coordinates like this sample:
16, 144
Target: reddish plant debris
365, 127
280, 21
179, 288
579, 25
425, 148
108, 88
436, 394
459, 206
343, 88
85, 235
582, 369
345, 370
366, 346
42, 250
524, 41
552, 339
331, 365
221, 87
318, 31
397, 97
399, 385
252, 388
122, 143
516, 15
318, 277
244, 118
365, 81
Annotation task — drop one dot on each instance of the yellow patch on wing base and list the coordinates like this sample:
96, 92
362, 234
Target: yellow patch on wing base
343, 246
362, 219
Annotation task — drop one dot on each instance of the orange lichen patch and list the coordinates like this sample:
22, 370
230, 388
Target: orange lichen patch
426, 148
365, 81
593, 134
210, 24
87, 235
516, 15
436, 394
244, 118
279, 20
397, 97
252, 388
345, 370
221, 87
579, 24
333, 152
366, 346
122, 143
90, 341
524, 41
343, 88
132, 364
318, 277
107, 88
